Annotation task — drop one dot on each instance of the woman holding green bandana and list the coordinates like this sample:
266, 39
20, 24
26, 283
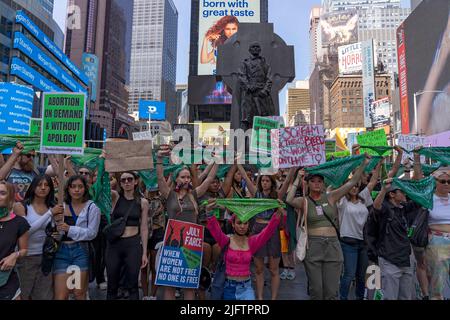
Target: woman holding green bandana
13, 233
323, 261
181, 201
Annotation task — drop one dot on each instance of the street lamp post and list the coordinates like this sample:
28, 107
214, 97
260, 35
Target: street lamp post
416, 94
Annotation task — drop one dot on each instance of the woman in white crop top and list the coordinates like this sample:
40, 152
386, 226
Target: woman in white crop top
37, 209
438, 249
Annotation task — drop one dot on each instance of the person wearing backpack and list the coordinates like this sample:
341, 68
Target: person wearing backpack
181, 202
238, 251
127, 251
393, 246
38, 208
437, 253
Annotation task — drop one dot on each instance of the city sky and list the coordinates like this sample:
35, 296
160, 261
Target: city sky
291, 22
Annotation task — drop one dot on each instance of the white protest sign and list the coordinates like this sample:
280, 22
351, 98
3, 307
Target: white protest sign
409, 142
298, 146
146, 135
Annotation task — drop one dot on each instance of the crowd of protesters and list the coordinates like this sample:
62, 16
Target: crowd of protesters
367, 220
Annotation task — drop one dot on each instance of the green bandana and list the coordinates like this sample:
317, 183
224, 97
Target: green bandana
441, 154
101, 191
380, 150
429, 169
90, 159
4, 212
29, 143
337, 171
373, 163
245, 209
420, 191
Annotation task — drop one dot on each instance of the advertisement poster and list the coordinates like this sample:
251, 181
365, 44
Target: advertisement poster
403, 79
301, 146
16, 107
350, 58
368, 75
63, 123
381, 113
90, 68
339, 28
218, 21
180, 262
156, 109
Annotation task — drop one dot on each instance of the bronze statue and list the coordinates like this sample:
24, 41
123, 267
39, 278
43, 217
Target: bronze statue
255, 78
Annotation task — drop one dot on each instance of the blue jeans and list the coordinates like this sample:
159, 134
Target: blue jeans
238, 290
355, 266
71, 254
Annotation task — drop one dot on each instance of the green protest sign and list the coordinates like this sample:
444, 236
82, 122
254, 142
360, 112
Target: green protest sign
35, 127
260, 142
375, 138
63, 123
330, 146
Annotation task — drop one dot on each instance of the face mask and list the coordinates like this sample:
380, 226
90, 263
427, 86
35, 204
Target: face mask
3, 212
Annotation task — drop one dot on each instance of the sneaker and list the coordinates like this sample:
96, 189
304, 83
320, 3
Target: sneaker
284, 274
103, 286
146, 298
290, 275
152, 298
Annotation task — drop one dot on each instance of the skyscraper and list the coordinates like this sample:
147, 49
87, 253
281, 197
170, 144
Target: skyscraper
298, 104
47, 5
314, 36
37, 14
342, 5
107, 35
154, 54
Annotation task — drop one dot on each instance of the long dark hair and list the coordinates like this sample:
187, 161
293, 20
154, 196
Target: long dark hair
68, 197
273, 188
137, 194
31, 192
219, 27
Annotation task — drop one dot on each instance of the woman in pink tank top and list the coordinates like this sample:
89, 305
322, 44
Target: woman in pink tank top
238, 256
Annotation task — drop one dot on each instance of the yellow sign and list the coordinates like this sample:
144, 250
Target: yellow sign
214, 134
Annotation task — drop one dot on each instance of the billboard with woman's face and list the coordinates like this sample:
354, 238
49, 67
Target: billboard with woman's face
218, 21
424, 68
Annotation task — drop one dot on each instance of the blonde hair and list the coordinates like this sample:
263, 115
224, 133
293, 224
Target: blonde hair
11, 192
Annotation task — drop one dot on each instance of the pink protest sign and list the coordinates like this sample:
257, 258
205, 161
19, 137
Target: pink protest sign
301, 146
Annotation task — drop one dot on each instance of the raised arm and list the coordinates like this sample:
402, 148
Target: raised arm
205, 172
378, 203
162, 184
5, 170
69, 166
201, 190
285, 186
397, 163
194, 175
335, 195
217, 233
375, 175
229, 179
418, 172
291, 199
250, 186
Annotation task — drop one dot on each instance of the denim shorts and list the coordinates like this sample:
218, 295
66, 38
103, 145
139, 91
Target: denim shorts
238, 290
71, 254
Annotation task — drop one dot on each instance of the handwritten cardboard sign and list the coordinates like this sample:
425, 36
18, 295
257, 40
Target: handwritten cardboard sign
409, 142
298, 146
180, 262
128, 155
260, 141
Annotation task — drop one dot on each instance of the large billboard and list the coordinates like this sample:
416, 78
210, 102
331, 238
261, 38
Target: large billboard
426, 51
16, 107
381, 113
31, 76
156, 109
368, 77
206, 90
218, 21
339, 28
350, 58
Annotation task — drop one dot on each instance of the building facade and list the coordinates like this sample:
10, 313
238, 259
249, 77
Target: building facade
154, 55
342, 5
47, 5
298, 104
346, 96
181, 111
314, 36
107, 35
43, 20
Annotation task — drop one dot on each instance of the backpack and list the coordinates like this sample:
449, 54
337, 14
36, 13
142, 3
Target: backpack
418, 232
219, 278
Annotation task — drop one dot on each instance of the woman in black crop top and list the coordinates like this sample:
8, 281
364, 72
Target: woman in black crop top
130, 251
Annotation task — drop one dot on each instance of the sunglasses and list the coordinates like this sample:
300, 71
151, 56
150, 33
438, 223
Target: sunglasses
443, 181
29, 155
84, 173
125, 180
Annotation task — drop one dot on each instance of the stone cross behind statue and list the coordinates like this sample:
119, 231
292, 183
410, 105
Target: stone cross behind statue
256, 64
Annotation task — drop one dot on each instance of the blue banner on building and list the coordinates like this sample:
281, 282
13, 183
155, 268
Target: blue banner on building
28, 48
157, 110
23, 19
16, 107
31, 76
90, 68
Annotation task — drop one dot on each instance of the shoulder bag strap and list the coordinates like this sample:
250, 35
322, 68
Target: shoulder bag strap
327, 217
